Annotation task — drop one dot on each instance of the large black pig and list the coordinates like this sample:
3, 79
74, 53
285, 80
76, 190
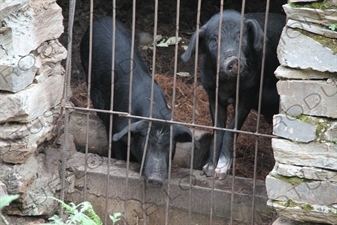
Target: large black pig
249, 68
157, 157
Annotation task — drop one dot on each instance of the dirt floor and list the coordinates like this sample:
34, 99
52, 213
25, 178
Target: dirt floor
164, 65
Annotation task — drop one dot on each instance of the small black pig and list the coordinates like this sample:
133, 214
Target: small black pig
249, 71
157, 157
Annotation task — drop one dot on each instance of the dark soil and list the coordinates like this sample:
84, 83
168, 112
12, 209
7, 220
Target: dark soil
164, 66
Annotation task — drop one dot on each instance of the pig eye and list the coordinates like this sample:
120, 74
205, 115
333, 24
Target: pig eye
238, 37
214, 41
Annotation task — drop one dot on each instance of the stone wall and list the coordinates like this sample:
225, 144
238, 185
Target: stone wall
303, 183
31, 88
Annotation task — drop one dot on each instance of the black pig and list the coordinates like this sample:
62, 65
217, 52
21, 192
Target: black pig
249, 71
157, 158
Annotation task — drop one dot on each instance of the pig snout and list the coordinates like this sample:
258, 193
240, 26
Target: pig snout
231, 66
155, 172
155, 180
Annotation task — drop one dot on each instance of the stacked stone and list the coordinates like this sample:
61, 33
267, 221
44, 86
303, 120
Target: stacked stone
31, 88
303, 183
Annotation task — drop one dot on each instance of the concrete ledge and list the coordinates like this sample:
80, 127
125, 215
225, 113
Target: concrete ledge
142, 202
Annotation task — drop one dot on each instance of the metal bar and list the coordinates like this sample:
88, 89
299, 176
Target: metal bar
216, 107
113, 41
259, 106
167, 121
193, 113
130, 104
155, 26
65, 98
88, 99
237, 97
172, 111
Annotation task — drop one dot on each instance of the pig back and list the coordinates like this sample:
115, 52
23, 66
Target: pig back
101, 81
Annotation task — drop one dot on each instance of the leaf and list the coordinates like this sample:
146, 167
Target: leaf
333, 26
7, 199
115, 218
184, 74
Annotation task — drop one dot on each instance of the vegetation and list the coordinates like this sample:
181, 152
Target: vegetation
5, 201
81, 214
333, 27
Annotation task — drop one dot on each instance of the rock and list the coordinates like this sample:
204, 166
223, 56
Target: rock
293, 129
331, 133
97, 142
283, 72
316, 98
312, 28
3, 189
16, 73
14, 79
35, 185
51, 51
308, 16
310, 173
319, 155
34, 24
282, 221
309, 192
34, 101
295, 46
302, 215
8, 7
19, 141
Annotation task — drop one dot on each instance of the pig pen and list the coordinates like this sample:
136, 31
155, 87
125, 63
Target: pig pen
164, 69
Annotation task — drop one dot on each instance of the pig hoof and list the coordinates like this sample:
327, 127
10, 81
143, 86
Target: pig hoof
223, 166
208, 170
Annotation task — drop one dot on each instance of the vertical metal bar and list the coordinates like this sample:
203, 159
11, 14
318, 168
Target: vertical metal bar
259, 106
155, 26
130, 104
237, 97
113, 40
172, 111
193, 117
65, 98
88, 99
152, 94
216, 110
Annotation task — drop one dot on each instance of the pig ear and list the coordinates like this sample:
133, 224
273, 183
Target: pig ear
191, 46
139, 127
255, 33
183, 134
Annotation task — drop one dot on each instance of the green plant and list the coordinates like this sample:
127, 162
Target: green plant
333, 27
115, 218
5, 201
82, 214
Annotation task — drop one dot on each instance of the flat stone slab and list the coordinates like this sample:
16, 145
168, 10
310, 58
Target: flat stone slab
283, 72
312, 28
304, 172
293, 129
309, 192
297, 50
19, 141
316, 98
319, 214
32, 102
319, 155
308, 16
